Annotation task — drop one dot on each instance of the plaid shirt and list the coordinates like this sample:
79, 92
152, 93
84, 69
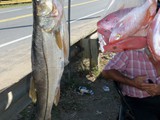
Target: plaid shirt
131, 64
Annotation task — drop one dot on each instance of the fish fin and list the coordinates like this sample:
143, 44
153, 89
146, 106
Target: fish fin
57, 96
32, 91
55, 10
151, 13
148, 18
66, 54
59, 39
64, 50
144, 27
152, 9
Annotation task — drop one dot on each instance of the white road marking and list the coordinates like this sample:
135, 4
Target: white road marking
14, 41
87, 16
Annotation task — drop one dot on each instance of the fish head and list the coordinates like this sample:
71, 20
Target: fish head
107, 23
120, 30
44, 7
105, 34
49, 13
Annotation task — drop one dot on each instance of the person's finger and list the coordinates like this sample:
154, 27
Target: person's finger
149, 93
152, 93
148, 86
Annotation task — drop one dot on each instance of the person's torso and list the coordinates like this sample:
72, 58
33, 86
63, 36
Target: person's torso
138, 64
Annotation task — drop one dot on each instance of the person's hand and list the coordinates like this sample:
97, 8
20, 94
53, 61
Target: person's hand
139, 81
152, 89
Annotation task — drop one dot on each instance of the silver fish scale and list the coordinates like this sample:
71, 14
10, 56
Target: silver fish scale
55, 61
47, 23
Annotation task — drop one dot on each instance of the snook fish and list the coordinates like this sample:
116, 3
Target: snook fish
153, 37
50, 49
137, 18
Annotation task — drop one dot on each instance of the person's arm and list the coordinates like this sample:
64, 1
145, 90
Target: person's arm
117, 76
138, 82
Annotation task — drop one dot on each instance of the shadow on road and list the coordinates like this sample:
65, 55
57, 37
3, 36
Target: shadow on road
24, 26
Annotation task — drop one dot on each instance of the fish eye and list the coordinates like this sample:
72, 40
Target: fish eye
118, 36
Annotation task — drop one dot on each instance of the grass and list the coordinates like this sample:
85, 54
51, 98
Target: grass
96, 71
6, 2
13, 3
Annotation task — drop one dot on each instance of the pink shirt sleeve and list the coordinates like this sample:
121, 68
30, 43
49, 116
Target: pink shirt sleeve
118, 62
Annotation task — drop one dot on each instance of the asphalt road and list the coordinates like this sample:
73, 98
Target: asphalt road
16, 31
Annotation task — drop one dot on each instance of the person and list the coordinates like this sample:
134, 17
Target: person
139, 77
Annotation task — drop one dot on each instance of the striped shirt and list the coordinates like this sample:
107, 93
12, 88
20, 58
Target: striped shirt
132, 64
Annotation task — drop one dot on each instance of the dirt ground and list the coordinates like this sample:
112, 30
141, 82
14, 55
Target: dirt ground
102, 105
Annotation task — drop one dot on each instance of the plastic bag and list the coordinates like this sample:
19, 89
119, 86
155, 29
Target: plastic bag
131, 18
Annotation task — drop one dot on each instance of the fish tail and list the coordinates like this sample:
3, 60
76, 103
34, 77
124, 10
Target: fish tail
152, 1
55, 11
150, 12
57, 96
32, 91
59, 39
152, 8
65, 50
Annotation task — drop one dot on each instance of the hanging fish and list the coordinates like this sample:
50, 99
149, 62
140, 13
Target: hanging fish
50, 49
131, 43
136, 19
153, 37
105, 25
